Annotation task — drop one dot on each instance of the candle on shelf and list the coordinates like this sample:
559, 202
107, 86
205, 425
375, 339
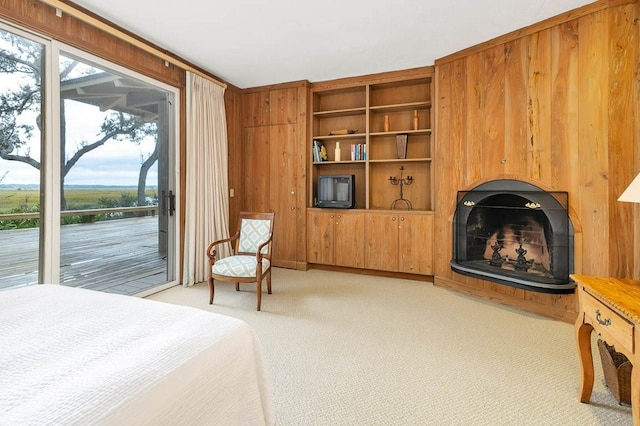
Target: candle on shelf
386, 123
337, 152
416, 125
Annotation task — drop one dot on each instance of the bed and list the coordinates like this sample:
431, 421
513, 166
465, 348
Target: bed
75, 357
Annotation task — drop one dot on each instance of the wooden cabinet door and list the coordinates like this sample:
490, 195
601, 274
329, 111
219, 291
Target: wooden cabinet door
320, 241
283, 199
283, 105
256, 169
381, 241
274, 166
349, 239
415, 243
256, 109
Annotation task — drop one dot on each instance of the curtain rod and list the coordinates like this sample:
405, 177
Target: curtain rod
70, 10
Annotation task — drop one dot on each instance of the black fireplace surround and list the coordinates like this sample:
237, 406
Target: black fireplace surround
512, 232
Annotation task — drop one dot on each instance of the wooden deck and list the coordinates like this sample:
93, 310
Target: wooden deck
116, 256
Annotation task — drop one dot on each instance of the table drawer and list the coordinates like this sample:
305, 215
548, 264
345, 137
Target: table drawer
607, 321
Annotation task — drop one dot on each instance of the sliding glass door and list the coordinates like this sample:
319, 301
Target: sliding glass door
117, 186
87, 197
22, 136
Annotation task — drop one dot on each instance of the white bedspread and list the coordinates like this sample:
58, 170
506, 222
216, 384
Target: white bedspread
70, 356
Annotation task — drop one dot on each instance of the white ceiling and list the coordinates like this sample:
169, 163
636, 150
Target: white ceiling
251, 43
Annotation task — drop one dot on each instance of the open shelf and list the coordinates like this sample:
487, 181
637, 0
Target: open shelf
379, 111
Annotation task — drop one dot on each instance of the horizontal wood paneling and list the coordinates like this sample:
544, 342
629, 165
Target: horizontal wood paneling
555, 106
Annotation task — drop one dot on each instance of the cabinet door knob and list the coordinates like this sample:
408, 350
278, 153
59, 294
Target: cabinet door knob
402, 218
393, 218
293, 207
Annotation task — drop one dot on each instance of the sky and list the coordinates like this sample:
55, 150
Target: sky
114, 163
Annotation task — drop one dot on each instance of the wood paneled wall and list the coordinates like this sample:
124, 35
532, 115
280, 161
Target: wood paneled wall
556, 105
234, 113
42, 19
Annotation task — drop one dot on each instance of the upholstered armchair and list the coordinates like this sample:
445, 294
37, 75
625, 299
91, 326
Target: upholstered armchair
251, 254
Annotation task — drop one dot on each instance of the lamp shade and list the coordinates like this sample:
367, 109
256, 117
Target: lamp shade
632, 193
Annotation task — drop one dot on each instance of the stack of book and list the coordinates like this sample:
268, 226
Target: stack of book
358, 152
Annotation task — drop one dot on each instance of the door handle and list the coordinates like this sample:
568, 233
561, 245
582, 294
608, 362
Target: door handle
168, 202
172, 203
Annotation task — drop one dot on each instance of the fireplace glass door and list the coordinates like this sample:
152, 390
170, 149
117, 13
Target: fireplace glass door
514, 233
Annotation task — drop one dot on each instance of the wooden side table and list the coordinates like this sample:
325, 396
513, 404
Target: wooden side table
611, 307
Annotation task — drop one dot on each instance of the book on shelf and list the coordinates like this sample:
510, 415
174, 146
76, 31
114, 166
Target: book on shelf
358, 152
319, 151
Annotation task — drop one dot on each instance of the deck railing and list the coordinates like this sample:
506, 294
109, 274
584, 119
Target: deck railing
91, 213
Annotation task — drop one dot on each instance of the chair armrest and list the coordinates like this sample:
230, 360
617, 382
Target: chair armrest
212, 253
259, 254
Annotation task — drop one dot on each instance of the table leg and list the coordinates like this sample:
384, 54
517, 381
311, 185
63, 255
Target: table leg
583, 339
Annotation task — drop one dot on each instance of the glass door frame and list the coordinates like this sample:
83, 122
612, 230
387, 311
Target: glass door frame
46, 232
51, 241
49, 228
49, 232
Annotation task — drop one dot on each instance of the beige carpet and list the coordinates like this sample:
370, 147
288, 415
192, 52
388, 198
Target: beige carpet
348, 349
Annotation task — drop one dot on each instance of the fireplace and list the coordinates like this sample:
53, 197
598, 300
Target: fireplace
514, 233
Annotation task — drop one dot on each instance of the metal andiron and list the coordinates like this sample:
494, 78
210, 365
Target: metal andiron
402, 181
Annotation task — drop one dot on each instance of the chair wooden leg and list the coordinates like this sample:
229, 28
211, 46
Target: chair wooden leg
237, 286
259, 291
210, 291
269, 281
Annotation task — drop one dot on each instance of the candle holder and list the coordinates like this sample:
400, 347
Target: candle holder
402, 181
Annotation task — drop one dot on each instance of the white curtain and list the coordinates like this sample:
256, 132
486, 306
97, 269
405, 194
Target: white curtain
207, 185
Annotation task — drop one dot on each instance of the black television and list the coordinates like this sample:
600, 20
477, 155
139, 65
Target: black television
336, 191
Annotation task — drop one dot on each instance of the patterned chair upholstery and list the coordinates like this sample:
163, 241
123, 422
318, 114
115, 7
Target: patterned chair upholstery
251, 254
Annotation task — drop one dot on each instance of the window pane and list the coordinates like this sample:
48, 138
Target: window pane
21, 88
111, 235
